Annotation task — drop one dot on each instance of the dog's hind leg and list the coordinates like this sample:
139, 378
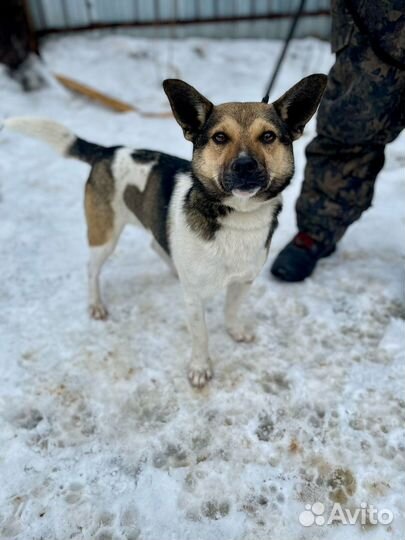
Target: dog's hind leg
103, 230
98, 256
237, 327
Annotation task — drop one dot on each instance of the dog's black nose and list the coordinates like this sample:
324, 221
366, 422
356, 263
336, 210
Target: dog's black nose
244, 165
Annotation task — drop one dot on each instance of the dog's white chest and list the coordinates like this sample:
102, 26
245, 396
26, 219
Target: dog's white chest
236, 254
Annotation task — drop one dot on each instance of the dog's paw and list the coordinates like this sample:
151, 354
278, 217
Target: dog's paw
241, 333
98, 312
199, 374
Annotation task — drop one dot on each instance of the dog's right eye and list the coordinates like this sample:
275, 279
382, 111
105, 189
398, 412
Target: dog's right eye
220, 138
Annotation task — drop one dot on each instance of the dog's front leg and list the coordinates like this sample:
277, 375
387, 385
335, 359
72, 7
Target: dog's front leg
238, 328
199, 368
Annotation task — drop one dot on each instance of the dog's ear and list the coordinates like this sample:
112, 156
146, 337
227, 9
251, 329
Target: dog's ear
297, 106
189, 107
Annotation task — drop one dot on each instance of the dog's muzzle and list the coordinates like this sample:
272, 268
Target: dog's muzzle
245, 177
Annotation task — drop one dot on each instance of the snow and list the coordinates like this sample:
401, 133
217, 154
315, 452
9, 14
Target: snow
101, 436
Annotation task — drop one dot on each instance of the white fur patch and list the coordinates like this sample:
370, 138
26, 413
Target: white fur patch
127, 171
243, 194
56, 135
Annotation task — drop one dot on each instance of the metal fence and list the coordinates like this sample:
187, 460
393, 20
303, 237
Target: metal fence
183, 18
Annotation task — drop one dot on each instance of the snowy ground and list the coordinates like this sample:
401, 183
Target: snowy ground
101, 435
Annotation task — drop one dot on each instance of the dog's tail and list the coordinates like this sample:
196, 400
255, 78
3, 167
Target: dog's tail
59, 137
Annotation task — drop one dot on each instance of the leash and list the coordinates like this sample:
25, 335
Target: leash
284, 50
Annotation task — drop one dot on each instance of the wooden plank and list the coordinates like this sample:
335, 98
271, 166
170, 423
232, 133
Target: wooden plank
104, 99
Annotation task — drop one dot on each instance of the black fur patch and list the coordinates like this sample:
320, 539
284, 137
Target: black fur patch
273, 225
90, 152
152, 205
277, 185
300, 102
203, 210
146, 156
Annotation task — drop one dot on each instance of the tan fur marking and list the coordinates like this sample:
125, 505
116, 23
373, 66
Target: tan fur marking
278, 161
215, 158
230, 126
274, 155
259, 126
97, 203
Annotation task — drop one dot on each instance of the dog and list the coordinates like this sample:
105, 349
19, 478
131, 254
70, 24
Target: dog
211, 219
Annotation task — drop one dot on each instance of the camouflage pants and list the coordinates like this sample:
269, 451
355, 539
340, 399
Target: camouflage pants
362, 110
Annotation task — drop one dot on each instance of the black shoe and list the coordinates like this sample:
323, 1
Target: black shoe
298, 259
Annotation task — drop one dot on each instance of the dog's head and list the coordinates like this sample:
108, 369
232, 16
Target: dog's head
244, 149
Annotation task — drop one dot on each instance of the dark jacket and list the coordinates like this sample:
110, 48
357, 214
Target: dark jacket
382, 20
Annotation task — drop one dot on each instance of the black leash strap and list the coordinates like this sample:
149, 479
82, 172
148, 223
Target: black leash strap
284, 50
383, 55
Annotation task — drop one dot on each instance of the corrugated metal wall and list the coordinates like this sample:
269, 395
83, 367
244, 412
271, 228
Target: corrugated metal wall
187, 17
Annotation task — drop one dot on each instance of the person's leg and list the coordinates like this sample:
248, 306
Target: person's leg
361, 111
359, 114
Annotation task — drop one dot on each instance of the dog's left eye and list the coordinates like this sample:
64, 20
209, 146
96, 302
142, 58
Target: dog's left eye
268, 137
220, 138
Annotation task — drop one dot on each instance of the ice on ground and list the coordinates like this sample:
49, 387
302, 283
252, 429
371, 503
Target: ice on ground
101, 436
